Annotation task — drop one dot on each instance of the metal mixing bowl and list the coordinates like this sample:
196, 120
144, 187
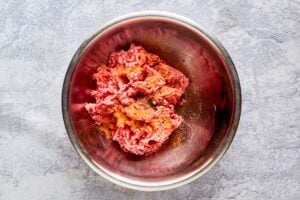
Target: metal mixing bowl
211, 111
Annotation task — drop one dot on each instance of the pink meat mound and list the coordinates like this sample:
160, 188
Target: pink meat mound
135, 98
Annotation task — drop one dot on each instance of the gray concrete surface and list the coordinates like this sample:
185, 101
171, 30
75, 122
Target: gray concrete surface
37, 41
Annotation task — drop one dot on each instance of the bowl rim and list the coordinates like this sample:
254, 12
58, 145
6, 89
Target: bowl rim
169, 184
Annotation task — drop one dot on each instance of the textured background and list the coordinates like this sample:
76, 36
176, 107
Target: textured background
37, 41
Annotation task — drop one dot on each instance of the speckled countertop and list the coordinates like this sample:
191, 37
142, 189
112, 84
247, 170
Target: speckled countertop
37, 41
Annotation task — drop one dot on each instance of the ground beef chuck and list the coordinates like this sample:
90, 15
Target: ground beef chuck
135, 98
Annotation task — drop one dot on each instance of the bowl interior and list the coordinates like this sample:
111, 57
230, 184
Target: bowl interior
208, 110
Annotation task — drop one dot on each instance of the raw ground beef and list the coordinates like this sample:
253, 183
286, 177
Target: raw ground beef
135, 97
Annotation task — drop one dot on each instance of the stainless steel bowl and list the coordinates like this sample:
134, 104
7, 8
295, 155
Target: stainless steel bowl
211, 111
